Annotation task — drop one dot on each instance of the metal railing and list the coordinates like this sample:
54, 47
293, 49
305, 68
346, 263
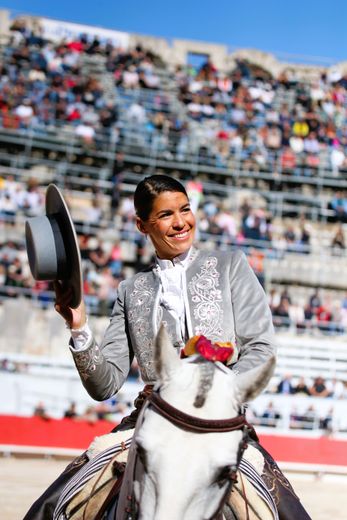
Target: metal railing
101, 307
155, 149
270, 248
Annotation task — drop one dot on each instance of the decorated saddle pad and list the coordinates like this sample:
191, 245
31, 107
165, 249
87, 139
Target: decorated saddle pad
84, 494
86, 491
250, 497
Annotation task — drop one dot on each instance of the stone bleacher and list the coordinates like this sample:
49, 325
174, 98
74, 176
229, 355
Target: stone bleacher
310, 357
317, 270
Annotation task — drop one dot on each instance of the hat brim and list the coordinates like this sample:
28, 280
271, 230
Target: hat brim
55, 205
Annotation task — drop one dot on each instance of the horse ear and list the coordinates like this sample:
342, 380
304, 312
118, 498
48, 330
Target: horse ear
251, 383
165, 357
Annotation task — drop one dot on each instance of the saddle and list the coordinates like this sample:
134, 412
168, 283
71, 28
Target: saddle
89, 493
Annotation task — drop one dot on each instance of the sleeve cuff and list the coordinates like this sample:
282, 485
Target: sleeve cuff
81, 338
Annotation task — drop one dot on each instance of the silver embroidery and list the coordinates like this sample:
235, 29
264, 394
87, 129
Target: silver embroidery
207, 300
87, 360
139, 315
193, 254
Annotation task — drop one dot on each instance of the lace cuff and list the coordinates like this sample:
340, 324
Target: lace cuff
81, 338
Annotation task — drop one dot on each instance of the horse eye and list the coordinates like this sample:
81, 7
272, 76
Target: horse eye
223, 476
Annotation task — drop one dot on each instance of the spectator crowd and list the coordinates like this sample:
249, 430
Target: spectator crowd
106, 263
244, 119
302, 415
225, 119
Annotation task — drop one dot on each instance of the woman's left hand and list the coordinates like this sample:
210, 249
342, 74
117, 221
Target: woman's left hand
74, 318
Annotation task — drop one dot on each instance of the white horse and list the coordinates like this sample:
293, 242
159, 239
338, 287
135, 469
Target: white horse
189, 438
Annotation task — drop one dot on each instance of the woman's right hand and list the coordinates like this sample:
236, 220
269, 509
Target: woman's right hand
74, 318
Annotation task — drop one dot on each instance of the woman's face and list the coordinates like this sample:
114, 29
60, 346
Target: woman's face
171, 224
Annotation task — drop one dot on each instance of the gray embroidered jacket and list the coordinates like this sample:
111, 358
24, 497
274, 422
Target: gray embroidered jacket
224, 302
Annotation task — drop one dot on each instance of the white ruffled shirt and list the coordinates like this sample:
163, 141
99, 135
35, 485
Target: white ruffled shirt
172, 279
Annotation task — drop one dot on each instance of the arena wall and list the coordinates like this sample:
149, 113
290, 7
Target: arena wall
176, 52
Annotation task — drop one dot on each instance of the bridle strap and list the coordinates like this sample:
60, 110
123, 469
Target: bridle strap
191, 423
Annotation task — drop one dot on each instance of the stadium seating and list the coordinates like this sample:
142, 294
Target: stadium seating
268, 152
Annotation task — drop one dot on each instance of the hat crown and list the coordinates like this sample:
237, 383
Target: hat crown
52, 245
46, 249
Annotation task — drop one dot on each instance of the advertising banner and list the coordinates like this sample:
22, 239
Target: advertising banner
56, 30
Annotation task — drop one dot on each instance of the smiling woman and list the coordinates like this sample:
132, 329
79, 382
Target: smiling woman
192, 293
170, 225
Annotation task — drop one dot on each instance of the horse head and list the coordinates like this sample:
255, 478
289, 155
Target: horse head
190, 437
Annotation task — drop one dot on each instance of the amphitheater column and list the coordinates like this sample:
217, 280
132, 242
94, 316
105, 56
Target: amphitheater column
4, 24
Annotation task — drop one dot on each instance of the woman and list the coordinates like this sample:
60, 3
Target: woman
193, 292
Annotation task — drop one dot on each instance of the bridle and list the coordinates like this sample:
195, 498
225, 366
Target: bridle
191, 423
194, 424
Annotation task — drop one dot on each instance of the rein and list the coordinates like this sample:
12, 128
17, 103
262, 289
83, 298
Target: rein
196, 425
191, 423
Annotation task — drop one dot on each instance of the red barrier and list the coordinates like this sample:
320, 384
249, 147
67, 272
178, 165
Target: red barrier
58, 433
321, 450
70, 433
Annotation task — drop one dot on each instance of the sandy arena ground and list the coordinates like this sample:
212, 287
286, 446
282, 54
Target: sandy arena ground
23, 479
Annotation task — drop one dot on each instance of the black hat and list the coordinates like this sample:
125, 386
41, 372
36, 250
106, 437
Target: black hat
52, 245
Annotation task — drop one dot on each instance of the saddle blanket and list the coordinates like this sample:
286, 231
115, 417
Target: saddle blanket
92, 483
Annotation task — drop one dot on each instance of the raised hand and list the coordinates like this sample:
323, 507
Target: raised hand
75, 318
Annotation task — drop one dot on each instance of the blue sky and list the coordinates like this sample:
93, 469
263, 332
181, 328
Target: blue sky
314, 28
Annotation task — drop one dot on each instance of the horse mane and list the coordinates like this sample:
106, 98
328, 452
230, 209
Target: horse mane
206, 374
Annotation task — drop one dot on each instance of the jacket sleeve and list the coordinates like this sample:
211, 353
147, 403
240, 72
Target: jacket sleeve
255, 337
103, 369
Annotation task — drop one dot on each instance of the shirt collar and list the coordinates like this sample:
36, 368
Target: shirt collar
181, 260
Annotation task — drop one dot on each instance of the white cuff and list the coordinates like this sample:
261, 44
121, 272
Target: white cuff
81, 337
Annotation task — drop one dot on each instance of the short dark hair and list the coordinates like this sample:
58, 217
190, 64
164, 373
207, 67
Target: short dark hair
149, 188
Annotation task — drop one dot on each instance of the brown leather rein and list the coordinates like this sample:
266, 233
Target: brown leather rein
191, 423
